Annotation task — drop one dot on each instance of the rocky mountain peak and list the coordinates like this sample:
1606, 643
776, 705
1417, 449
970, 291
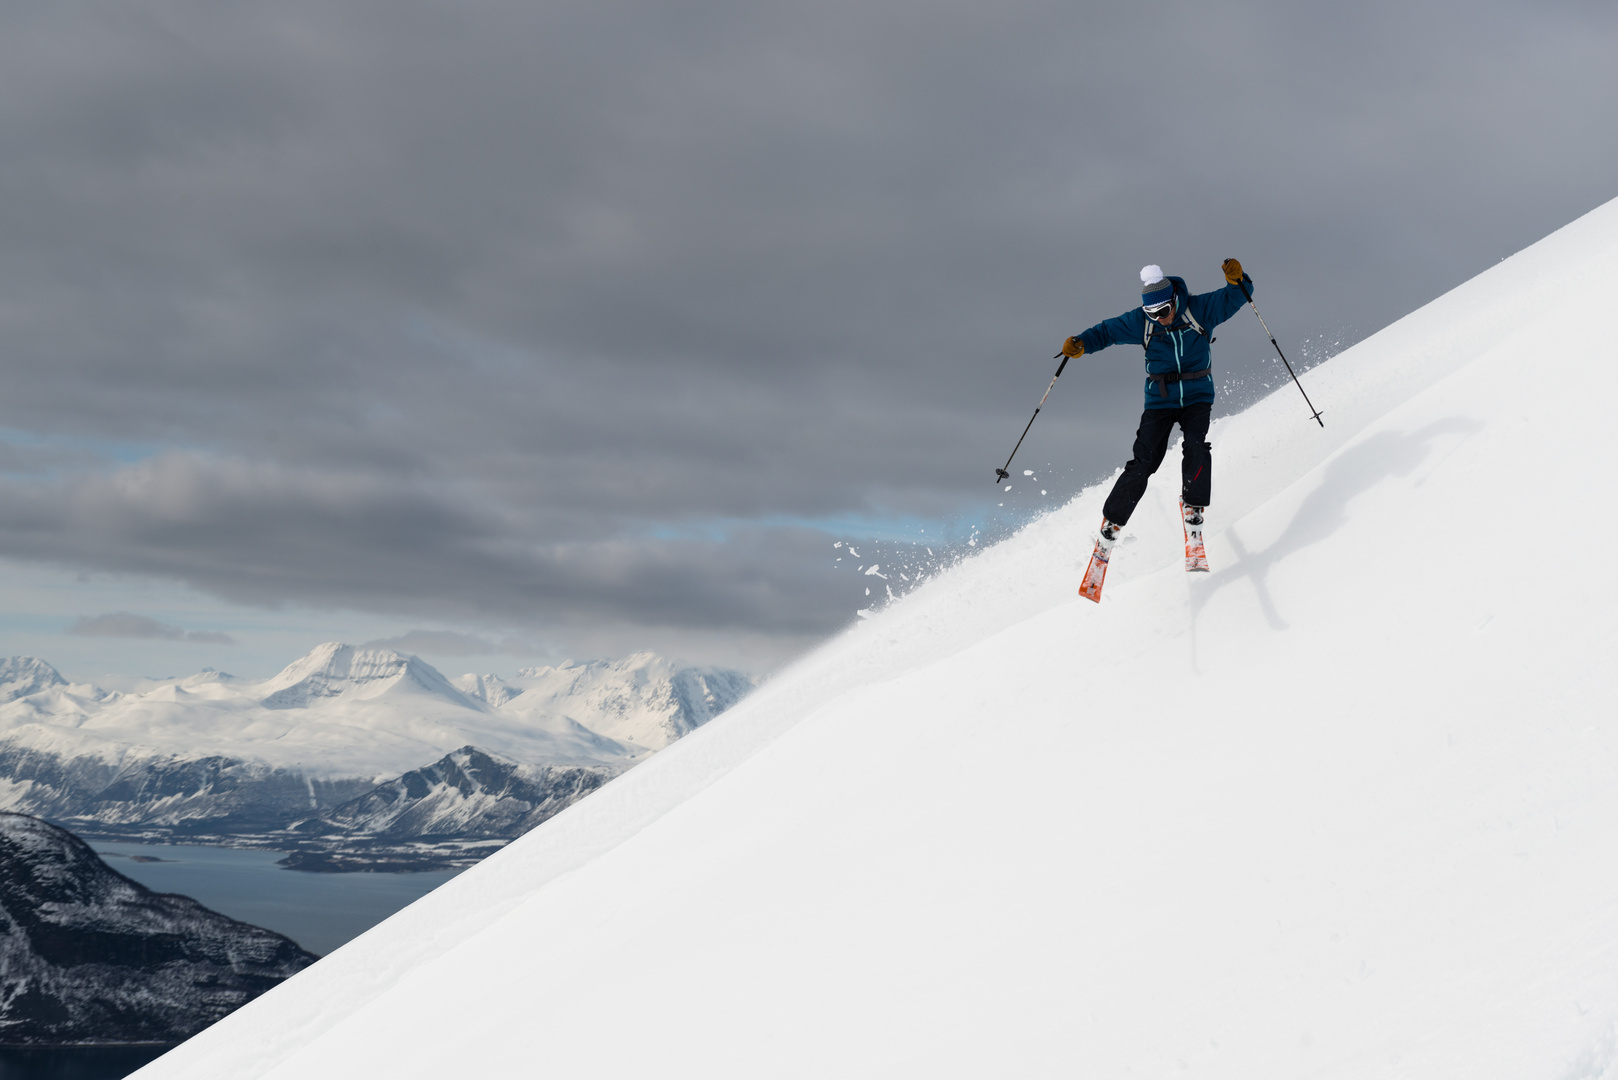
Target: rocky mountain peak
21, 676
334, 669
490, 689
642, 699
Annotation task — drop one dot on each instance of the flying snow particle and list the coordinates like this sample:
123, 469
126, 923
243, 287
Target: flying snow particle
1028, 472
838, 544
867, 590
873, 570
1042, 491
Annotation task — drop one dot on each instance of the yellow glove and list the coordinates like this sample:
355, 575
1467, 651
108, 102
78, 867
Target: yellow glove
1073, 348
1233, 271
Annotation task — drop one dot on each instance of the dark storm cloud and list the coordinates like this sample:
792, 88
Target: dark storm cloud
263, 534
464, 309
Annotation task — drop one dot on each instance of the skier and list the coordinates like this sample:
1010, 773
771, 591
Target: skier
1173, 327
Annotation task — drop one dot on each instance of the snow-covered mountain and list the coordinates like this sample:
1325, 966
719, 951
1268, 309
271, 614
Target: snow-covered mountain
337, 671
24, 676
1344, 806
340, 710
89, 956
223, 755
642, 700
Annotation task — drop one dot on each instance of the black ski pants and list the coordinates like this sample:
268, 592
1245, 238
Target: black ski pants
1151, 444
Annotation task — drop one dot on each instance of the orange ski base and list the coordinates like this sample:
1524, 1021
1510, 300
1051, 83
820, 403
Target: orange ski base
1094, 575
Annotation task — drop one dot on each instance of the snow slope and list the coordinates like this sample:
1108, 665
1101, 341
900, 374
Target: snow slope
1345, 806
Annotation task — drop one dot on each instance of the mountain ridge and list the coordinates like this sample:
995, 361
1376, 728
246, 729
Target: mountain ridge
210, 757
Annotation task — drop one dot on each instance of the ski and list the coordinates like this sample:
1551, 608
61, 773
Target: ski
1196, 556
1096, 572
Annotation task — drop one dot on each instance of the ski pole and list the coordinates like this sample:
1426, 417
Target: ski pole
1312, 410
1002, 474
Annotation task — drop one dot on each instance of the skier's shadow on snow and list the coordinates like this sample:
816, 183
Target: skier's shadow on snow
1324, 510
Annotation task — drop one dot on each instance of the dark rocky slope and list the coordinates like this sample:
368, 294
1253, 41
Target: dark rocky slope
437, 815
88, 956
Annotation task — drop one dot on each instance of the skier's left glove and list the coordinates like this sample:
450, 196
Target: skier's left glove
1233, 271
1073, 348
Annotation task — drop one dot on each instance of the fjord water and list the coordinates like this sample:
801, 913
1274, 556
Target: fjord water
318, 911
75, 1063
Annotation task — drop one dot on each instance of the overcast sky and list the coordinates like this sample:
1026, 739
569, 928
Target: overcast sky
580, 328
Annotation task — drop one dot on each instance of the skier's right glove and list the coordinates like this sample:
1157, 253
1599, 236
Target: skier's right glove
1073, 348
1233, 271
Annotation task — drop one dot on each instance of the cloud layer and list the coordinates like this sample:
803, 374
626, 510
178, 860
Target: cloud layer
578, 314
126, 624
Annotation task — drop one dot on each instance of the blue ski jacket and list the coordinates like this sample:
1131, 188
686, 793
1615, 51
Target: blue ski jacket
1178, 363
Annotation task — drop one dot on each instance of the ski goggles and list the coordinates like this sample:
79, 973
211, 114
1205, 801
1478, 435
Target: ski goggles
1157, 310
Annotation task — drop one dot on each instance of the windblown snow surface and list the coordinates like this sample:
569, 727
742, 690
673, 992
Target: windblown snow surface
1345, 807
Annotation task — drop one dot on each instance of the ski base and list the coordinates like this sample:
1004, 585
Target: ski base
1196, 556
1096, 573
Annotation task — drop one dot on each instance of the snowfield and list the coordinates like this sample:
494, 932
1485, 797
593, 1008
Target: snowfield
1345, 807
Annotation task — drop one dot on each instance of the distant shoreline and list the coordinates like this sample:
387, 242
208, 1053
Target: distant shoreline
325, 855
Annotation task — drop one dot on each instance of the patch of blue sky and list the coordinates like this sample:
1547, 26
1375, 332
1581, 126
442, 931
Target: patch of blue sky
43, 454
35, 622
858, 527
